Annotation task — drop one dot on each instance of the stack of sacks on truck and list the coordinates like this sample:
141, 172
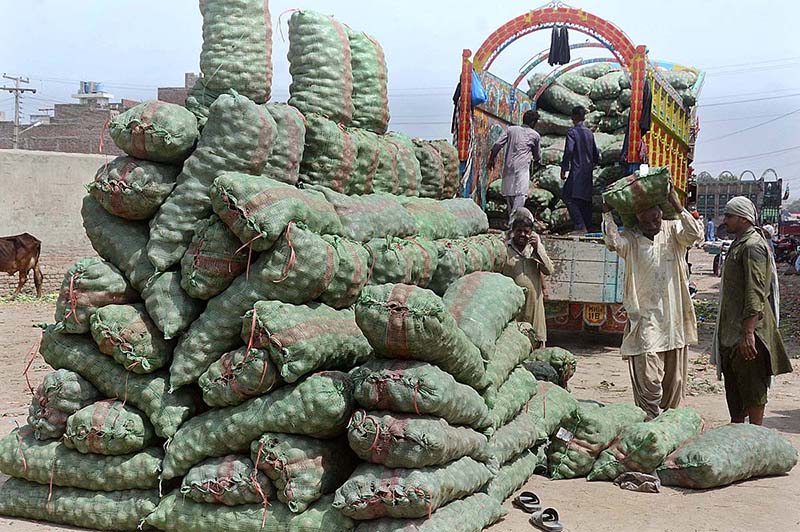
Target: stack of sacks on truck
605, 92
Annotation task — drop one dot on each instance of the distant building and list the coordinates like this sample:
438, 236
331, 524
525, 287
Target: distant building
714, 193
177, 95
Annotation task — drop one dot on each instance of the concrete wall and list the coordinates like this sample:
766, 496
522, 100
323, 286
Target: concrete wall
40, 194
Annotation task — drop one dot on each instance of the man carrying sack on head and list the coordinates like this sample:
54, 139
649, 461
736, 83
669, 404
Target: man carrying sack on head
748, 349
661, 318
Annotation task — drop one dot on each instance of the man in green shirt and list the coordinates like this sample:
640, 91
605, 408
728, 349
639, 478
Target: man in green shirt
748, 346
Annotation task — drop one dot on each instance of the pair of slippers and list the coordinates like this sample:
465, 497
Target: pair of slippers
546, 519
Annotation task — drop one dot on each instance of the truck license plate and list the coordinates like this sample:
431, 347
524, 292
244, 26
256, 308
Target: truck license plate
594, 313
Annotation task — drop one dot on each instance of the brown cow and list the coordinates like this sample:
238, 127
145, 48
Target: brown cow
20, 254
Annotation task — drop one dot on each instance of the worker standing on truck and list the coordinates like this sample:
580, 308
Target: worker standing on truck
580, 158
748, 349
522, 146
661, 318
527, 262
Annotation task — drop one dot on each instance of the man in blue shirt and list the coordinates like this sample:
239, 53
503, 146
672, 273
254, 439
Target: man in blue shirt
710, 230
580, 157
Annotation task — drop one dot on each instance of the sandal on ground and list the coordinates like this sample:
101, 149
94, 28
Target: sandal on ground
527, 501
547, 520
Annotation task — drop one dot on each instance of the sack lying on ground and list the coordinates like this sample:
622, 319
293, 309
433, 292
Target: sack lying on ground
23, 456
237, 47
178, 514
128, 335
109, 427
397, 440
727, 454
319, 406
214, 259
587, 432
88, 285
169, 306
512, 397
230, 480
302, 339
471, 514
417, 388
408, 322
155, 131
408, 260
644, 446
373, 491
562, 361
61, 394
511, 349
131, 188
114, 510
302, 468
120, 242
370, 94
515, 473
148, 393
287, 148
237, 376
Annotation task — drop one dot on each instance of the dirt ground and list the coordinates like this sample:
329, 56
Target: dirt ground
763, 504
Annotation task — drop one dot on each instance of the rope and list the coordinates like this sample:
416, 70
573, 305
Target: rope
73, 299
249, 246
33, 351
280, 27
416, 391
252, 335
50, 493
292, 255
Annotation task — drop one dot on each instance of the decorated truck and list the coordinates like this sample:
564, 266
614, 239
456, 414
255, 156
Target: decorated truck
585, 291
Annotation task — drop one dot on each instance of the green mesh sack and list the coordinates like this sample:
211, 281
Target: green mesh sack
562, 361
594, 70
370, 216
302, 339
297, 270
634, 193
553, 123
610, 106
560, 99
609, 175
368, 148
121, 242
452, 177
539, 198
318, 406
577, 82
108, 427
231, 480
386, 178
611, 154
287, 149
433, 219
320, 66
178, 514
237, 376
471, 514
155, 131
408, 171
128, 335
214, 259
552, 156
238, 137
728, 454
258, 209
679, 79
131, 188
88, 285
512, 397
625, 97
495, 245
549, 178
303, 469
511, 349
352, 272
330, 154
370, 94
237, 47
408, 322
608, 85
60, 394
417, 388
169, 306
616, 124
542, 417
470, 218
431, 166
513, 475
482, 304
477, 255
644, 446
199, 99
114, 511
23, 456
408, 260
373, 491
450, 265
148, 393
398, 440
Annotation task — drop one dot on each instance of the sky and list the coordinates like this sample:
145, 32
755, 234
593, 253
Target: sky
749, 50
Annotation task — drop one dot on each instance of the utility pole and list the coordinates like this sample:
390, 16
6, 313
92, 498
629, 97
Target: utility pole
18, 91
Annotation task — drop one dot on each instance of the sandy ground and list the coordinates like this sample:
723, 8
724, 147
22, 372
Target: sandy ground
763, 504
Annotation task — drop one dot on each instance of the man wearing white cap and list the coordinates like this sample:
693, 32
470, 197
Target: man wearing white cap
748, 349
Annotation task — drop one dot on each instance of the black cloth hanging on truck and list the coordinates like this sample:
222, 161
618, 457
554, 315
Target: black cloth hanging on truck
559, 46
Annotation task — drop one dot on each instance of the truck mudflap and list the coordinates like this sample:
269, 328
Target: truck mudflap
603, 317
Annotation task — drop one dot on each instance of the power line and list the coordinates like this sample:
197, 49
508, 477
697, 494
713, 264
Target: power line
749, 100
754, 156
735, 118
752, 63
754, 126
751, 70
738, 94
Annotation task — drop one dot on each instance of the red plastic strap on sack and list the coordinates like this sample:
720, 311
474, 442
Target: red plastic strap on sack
292, 255
73, 299
32, 352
